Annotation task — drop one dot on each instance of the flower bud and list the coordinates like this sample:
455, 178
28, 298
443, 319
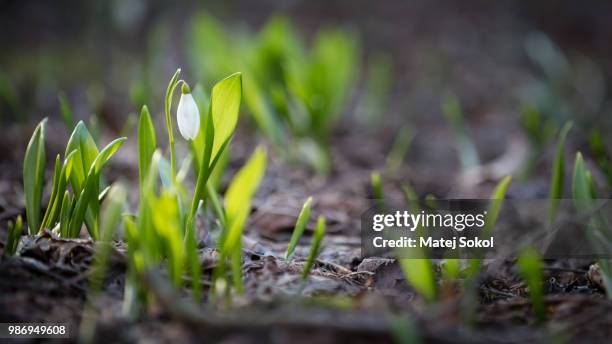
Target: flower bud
187, 114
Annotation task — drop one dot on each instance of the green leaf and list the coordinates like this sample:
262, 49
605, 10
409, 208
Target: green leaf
225, 106
146, 143
239, 194
421, 276
59, 186
65, 214
556, 184
14, 233
530, 266
167, 107
34, 175
81, 141
497, 199
377, 190
167, 224
89, 193
238, 206
198, 143
581, 186
300, 226
315, 246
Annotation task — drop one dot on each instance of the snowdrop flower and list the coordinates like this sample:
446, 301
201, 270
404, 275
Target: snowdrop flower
187, 114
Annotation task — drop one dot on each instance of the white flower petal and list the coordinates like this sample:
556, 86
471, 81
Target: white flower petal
188, 117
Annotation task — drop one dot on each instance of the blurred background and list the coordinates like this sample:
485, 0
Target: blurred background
520, 65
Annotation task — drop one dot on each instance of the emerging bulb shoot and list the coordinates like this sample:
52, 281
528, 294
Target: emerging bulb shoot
187, 114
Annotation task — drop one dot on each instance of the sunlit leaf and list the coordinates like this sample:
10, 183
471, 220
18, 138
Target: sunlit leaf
225, 106
89, 193
81, 141
300, 226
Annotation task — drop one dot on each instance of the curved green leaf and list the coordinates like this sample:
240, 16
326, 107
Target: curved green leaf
225, 106
300, 225
82, 141
146, 143
34, 175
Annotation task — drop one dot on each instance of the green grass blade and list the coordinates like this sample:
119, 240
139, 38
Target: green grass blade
556, 184
497, 199
34, 175
530, 266
146, 143
315, 247
300, 226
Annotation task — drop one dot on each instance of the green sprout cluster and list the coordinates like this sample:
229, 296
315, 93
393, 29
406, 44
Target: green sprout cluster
293, 93
81, 170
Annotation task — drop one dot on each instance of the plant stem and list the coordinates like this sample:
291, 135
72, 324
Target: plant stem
167, 106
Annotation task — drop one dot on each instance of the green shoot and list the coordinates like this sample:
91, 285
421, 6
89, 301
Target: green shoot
584, 195
401, 144
65, 110
598, 148
167, 107
14, 233
88, 197
238, 206
300, 226
468, 155
379, 81
82, 166
377, 190
146, 143
556, 184
293, 94
34, 175
419, 273
315, 246
530, 266
497, 200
